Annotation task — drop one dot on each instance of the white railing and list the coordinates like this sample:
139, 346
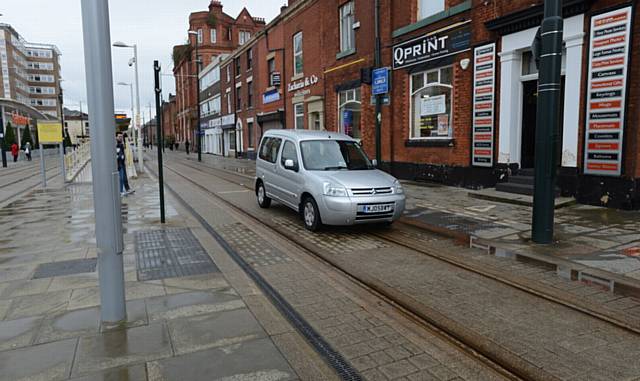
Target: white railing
76, 159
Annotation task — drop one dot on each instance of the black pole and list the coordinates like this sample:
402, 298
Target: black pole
65, 131
198, 102
548, 119
158, 91
3, 153
377, 64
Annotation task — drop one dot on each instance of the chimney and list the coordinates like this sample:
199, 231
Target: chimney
215, 6
283, 8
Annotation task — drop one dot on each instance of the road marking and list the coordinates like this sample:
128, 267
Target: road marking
236, 191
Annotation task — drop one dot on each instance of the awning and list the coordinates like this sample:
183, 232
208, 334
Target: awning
274, 116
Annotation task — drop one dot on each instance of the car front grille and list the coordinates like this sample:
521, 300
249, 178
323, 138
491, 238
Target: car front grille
371, 191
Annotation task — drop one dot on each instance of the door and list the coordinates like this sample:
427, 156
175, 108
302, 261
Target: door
289, 179
529, 118
267, 166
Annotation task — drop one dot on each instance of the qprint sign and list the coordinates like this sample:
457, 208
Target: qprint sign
483, 104
609, 44
431, 47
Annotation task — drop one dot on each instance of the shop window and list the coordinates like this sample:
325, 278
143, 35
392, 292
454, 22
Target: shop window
431, 94
297, 54
299, 116
347, 34
349, 110
428, 8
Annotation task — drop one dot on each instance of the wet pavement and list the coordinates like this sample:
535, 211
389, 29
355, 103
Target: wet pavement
195, 327
602, 238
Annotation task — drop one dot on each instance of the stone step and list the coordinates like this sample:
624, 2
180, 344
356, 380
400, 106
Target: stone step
526, 172
525, 180
509, 187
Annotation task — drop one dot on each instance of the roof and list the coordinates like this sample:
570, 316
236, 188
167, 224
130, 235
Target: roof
300, 135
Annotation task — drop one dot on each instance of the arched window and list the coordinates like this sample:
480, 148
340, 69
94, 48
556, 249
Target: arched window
349, 108
431, 103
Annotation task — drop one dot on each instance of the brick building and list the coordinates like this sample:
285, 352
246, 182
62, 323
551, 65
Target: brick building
216, 33
169, 120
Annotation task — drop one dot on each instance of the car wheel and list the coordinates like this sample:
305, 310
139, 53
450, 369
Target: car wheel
311, 215
261, 194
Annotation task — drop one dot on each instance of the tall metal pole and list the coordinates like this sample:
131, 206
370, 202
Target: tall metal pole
158, 91
43, 169
548, 119
377, 64
106, 197
3, 153
137, 116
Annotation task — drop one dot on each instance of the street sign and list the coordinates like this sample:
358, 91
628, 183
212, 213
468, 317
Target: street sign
276, 78
49, 132
380, 81
385, 100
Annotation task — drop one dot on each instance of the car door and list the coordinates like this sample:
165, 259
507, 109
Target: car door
267, 169
290, 179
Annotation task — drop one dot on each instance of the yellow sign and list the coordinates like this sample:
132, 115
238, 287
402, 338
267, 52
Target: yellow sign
49, 132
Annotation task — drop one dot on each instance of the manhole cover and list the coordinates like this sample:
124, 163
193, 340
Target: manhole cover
170, 253
74, 266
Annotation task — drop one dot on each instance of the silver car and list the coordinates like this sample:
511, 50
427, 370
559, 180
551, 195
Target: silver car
326, 177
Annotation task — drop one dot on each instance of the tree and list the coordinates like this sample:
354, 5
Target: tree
67, 139
26, 137
36, 139
9, 137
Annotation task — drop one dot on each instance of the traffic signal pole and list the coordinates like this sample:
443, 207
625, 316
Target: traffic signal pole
548, 119
106, 196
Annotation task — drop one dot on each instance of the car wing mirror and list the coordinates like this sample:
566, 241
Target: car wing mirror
290, 164
374, 162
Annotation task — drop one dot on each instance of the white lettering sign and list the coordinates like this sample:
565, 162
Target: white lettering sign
301, 84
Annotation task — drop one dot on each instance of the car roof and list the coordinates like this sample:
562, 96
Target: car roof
300, 135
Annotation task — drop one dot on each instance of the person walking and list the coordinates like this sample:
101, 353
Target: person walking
14, 152
27, 151
122, 167
186, 145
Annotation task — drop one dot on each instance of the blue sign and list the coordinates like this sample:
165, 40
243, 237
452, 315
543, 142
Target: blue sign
380, 81
271, 96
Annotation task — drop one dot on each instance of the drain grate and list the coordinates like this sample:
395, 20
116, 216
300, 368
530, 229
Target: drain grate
170, 253
74, 266
455, 222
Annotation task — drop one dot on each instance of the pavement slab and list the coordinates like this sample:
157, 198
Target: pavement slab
132, 373
46, 362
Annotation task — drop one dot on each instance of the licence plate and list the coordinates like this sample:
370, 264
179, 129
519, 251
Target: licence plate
377, 208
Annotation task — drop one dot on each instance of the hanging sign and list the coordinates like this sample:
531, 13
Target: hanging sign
431, 47
609, 48
483, 105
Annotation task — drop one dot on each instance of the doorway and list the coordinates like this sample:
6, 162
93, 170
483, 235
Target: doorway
529, 118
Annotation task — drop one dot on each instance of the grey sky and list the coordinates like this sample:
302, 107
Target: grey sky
154, 25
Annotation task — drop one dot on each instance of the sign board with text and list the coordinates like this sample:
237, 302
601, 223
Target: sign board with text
49, 132
431, 47
484, 73
380, 81
606, 94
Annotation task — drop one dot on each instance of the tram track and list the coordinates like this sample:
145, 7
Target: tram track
476, 352
50, 176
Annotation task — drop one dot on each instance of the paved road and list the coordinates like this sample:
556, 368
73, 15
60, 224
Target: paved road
561, 343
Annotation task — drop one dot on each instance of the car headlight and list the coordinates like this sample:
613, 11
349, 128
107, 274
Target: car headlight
334, 190
397, 187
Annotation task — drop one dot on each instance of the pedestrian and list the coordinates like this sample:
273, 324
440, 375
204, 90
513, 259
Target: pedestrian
186, 145
122, 167
27, 151
14, 152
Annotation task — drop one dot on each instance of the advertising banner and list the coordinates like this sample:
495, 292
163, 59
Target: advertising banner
431, 47
483, 105
606, 92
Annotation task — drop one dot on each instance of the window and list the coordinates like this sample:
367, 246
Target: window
271, 65
331, 155
215, 105
431, 93
199, 36
232, 140
297, 54
249, 59
228, 73
250, 94
349, 109
347, 34
289, 153
238, 68
243, 37
214, 35
229, 103
299, 116
229, 34
428, 8
238, 98
250, 134
269, 149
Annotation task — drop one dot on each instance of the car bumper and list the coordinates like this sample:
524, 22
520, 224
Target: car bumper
348, 210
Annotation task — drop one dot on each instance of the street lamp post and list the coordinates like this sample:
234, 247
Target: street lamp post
120, 44
192, 33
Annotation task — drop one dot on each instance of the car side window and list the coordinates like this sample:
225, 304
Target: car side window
289, 153
269, 149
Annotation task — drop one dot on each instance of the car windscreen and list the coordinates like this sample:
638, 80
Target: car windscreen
333, 155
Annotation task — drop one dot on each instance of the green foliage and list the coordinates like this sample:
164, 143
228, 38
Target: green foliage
36, 140
9, 137
26, 137
212, 21
180, 53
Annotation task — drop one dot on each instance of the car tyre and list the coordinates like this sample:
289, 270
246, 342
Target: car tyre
311, 214
261, 194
